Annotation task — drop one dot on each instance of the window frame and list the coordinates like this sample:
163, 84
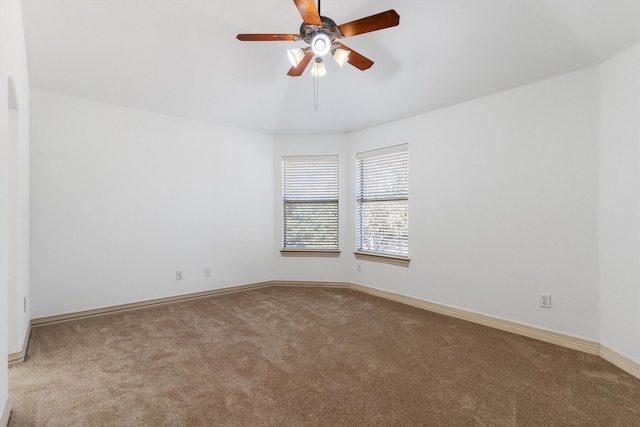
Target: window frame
376, 194
329, 195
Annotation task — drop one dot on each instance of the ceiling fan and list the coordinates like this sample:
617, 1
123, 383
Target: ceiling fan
321, 33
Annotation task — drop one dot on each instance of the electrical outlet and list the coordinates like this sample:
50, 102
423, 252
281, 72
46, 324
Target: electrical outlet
207, 272
179, 275
358, 267
545, 300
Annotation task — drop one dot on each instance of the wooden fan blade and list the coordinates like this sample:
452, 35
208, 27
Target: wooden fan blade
308, 11
383, 20
299, 69
357, 60
266, 37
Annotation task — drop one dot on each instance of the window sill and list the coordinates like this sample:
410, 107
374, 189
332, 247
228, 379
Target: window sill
309, 253
385, 259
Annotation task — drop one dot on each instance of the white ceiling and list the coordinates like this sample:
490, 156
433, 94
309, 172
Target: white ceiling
181, 57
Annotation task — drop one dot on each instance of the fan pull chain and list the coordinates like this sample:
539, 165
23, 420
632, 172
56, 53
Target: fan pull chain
315, 93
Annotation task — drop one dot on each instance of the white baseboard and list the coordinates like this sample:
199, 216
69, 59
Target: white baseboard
185, 297
19, 356
628, 365
482, 319
575, 343
49, 320
298, 284
622, 362
15, 358
6, 412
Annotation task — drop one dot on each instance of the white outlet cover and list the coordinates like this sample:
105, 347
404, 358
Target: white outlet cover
545, 300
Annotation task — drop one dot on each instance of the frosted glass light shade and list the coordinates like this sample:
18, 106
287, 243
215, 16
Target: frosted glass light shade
318, 69
295, 56
341, 56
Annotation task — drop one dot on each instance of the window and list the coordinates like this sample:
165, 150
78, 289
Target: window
382, 219
310, 203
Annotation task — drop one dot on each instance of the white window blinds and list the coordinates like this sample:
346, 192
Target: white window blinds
310, 202
382, 220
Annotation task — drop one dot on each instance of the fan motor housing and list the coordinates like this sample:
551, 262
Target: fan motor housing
328, 27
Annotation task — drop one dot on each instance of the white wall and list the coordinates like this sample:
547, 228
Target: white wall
18, 238
527, 191
121, 199
303, 268
503, 203
14, 188
619, 204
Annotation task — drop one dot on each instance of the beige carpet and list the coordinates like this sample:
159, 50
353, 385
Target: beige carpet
308, 357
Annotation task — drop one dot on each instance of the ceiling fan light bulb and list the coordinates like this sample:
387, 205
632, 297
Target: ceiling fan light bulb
295, 56
318, 69
341, 56
321, 44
